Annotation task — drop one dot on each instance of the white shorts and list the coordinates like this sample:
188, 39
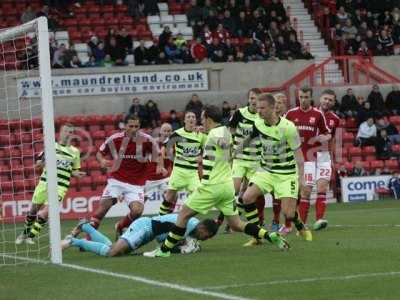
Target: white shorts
129, 192
155, 186
321, 169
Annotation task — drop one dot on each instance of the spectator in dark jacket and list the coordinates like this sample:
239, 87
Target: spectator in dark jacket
349, 104
141, 54
172, 52
164, 37
116, 52
383, 146
153, 114
376, 99
138, 109
153, 52
364, 112
174, 120
393, 101
216, 51
99, 53
195, 12
151, 8
124, 39
294, 46
195, 105
252, 52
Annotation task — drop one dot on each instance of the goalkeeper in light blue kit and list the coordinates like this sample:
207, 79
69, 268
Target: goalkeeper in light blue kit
139, 233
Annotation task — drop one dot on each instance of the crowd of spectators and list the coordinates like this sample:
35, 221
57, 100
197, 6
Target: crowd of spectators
223, 31
363, 27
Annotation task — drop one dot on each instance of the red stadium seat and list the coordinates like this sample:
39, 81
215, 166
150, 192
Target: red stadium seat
351, 124
391, 164
121, 8
355, 153
15, 152
348, 137
366, 165
99, 135
78, 120
107, 9
98, 22
377, 164
6, 187
99, 180
30, 184
94, 165
94, 128
369, 150
85, 181
109, 127
348, 166
73, 182
111, 132
395, 120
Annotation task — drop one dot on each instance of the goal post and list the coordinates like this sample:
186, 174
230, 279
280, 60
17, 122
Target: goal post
36, 30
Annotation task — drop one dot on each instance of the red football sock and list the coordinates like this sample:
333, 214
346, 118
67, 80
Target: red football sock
95, 221
320, 206
276, 208
126, 221
288, 223
260, 203
304, 206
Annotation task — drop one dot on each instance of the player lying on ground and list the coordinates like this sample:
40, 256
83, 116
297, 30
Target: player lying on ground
141, 232
281, 163
216, 189
68, 164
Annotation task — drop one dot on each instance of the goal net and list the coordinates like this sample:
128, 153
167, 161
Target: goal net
26, 130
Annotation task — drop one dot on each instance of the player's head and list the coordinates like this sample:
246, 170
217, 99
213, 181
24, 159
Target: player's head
66, 132
252, 96
266, 105
189, 120
327, 99
205, 230
165, 131
211, 116
132, 124
305, 97
280, 104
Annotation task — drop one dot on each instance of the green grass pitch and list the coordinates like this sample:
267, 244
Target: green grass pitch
359, 260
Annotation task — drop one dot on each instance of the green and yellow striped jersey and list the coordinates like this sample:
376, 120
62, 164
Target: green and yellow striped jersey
188, 147
68, 160
243, 121
277, 147
217, 156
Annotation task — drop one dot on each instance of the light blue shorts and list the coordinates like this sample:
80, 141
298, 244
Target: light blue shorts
139, 233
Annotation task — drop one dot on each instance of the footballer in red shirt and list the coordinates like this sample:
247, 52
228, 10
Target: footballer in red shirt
314, 134
325, 156
130, 151
157, 183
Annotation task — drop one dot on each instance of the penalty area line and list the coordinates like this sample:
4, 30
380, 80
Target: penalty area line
144, 280
305, 280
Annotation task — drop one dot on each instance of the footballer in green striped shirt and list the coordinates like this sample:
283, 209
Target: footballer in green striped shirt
68, 165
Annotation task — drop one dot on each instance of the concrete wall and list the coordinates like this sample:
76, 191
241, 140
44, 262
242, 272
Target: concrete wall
226, 81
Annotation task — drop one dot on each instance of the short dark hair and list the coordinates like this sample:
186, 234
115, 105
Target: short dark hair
329, 92
256, 91
267, 97
306, 89
213, 112
189, 111
211, 226
129, 117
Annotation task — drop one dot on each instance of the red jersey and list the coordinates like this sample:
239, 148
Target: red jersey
151, 170
310, 124
333, 122
131, 156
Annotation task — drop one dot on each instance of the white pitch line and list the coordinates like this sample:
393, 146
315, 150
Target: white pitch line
303, 280
163, 284
366, 225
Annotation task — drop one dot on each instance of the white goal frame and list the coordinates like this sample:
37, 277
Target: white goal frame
40, 27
